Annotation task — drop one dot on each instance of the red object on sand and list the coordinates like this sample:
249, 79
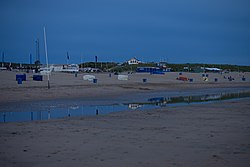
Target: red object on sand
183, 78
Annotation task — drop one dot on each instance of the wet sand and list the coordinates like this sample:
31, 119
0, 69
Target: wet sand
215, 134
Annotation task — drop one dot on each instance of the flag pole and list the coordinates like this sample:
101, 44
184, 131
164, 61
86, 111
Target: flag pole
46, 54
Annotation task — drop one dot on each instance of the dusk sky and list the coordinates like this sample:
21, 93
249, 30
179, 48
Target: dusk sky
180, 31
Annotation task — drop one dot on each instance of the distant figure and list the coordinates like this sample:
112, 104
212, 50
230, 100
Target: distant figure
230, 78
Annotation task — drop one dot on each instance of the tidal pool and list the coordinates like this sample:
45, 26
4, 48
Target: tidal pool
44, 110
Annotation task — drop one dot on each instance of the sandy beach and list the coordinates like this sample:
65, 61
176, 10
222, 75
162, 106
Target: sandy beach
214, 134
66, 85
195, 135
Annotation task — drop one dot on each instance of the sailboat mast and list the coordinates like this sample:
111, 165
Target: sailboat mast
46, 54
3, 59
37, 51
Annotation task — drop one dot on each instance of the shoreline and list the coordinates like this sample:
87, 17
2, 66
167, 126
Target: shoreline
120, 93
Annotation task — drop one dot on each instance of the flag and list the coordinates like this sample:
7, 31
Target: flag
67, 55
3, 57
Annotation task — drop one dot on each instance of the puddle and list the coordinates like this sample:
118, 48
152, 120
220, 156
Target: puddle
163, 101
61, 108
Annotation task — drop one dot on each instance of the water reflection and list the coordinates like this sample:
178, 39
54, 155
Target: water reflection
48, 114
134, 106
39, 115
31, 116
163, 101
53, 112
4, 117
60, 111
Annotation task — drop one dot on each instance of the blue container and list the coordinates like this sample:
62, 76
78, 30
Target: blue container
157, 72
215, 79
94, 80
21, 76
243, 79
180, 73
37, 77
144, 80
24, 77
191, 80
19, 81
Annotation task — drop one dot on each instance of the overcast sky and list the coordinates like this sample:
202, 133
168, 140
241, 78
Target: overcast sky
180, 31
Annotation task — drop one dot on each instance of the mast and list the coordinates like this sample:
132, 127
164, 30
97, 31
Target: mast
81, 62
46, 54
95, 61
67, 58
3, 59
30, 58
37, 51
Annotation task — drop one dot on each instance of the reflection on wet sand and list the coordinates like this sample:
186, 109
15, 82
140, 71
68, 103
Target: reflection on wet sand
163, 101
53, 111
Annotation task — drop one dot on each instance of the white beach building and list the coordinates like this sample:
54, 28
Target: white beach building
72, 68
133, 61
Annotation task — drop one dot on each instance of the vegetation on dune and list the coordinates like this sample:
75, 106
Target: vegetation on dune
180, 67
116, 67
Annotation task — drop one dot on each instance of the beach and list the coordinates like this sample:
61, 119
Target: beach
212, 134
66, 85
195, 135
